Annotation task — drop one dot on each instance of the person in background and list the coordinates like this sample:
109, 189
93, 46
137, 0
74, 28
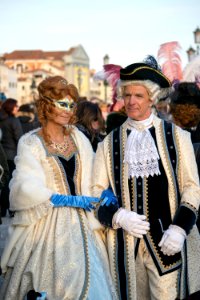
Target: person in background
90, 121
152, 239
26, 115
55, 246
185, 111
185, 108
11, 133
4, 172
116, 117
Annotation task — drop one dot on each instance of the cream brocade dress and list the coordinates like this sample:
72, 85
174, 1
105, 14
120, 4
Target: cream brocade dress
53, 249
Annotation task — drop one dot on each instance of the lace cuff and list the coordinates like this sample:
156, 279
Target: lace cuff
32, 215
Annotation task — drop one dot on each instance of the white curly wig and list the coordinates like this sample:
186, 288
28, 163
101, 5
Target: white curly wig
154, 90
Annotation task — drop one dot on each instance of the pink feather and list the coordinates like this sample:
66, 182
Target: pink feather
112, 75
170, 60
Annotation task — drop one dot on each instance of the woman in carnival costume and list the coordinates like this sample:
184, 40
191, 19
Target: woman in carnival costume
55, 243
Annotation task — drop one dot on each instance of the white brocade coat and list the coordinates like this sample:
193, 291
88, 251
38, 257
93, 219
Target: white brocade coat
188, 181
56, 250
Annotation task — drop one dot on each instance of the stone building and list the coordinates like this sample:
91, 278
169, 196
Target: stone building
32, 66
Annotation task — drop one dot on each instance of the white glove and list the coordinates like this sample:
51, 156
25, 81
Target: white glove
172, 240
130, 221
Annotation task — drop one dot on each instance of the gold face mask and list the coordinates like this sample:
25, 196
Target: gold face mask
65, 104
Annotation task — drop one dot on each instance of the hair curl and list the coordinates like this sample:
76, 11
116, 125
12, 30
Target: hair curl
152, 88
185, 115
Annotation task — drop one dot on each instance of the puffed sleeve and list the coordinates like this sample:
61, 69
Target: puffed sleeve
186, 214
29, 195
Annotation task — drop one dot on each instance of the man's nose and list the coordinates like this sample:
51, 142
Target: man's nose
132, 99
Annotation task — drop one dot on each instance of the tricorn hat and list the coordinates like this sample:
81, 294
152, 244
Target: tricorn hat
146, 70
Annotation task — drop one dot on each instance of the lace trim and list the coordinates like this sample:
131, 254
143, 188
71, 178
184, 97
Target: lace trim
141, 154
31, 215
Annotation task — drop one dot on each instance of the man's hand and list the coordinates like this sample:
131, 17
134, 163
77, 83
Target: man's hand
132, 222
172, 240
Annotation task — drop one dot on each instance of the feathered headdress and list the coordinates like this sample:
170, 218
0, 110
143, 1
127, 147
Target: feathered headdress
110, 73
170, 60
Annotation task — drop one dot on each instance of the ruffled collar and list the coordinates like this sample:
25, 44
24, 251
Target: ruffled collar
140, 125
141, 153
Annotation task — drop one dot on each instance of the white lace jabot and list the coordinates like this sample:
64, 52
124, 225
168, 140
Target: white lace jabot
141, 153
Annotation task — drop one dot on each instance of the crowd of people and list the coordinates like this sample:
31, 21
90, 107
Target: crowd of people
102, 209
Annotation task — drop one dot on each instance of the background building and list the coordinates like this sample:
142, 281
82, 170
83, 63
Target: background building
8, 81
32, 66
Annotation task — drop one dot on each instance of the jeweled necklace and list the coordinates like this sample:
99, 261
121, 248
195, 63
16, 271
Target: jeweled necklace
60, 147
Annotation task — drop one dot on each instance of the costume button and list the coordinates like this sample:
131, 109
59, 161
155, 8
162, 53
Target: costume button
116, 167
168, 132
116, 181
139, 206
116, 141
139, 195
139, 183
116, 153
171, 147
173, 161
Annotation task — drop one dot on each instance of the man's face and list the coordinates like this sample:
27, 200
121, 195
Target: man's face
137, 102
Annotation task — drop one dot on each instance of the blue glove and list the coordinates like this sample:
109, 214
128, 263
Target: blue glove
43, 296
32, 294
108, 197
73, 201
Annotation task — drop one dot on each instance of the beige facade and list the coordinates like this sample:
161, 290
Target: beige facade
8, 81
33, 66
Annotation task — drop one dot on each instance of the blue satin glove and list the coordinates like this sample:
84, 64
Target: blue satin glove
108, 197
32, 294
43, 296
74, 201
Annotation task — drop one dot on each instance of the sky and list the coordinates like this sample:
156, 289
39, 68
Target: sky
126, 30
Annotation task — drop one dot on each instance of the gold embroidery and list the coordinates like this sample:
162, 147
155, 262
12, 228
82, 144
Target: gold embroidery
124, 204
177, 144
148, 68
87, 264
170, 177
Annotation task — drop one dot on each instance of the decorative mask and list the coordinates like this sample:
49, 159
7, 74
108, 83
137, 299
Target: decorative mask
65, 104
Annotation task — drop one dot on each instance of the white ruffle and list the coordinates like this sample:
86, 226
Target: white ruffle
141, 153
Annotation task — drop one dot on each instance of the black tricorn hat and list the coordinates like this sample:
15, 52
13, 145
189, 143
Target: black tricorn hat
186, 93
142, 71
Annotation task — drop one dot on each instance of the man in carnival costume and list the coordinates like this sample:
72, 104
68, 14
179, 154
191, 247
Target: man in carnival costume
153, 241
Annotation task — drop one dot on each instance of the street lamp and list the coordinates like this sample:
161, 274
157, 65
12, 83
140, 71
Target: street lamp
191, 52
105, 83
197, 38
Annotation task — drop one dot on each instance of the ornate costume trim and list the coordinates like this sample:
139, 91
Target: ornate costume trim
190, 206
85, 289
121, 186
32, 215
141, 153
169, 169
164, 268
